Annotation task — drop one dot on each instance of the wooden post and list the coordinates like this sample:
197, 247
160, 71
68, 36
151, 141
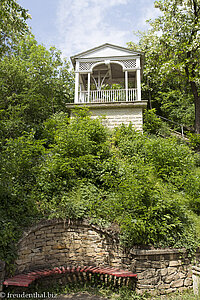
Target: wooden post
126, 84
138, 85
88, 87
99, 80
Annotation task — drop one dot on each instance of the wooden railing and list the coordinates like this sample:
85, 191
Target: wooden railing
108, 96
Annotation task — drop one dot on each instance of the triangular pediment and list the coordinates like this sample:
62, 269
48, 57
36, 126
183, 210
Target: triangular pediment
106, 51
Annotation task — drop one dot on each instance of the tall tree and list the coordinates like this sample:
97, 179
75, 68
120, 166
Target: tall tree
34, 84
172, 49
12, 25
180, 34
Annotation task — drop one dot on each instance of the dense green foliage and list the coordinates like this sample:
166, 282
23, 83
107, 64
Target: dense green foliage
18, 169
13, 24
172, 53
34, 84
139, 184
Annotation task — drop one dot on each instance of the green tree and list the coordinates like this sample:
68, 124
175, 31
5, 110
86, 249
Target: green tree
179, 26
172, 59
34, 84
13, 24
19, 164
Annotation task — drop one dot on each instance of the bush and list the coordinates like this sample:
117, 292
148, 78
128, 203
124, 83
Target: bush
152, 123
127, 180
138, 184
173, 161
19, 165
79, 148
194, 141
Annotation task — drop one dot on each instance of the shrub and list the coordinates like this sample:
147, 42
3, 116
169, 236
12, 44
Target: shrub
19, 163
173, 161
194, 141
140, 184
132, 180
152, 123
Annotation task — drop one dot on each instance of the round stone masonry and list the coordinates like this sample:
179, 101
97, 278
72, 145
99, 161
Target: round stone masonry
55, 243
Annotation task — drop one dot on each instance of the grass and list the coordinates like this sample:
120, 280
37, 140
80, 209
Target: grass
126, 294
123, 293
110, 293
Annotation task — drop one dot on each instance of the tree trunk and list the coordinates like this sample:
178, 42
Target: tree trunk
197, 106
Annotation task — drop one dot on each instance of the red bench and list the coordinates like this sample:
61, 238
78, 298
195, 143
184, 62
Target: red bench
24, 280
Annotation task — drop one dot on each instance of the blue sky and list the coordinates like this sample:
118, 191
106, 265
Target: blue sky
74, 26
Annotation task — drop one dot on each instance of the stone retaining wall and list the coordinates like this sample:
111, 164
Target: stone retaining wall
56, 243
117, 116
161, 271
115, 113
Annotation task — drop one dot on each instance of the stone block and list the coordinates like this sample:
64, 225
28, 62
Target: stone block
59, 246
36, 250
101, 253
50, 235
26, 252
175, 263
46, 248
144, 264
40, 232
50, 243
182, 275
153, 280
57, 230
163, 272
188, 282
144, 286
22, 261
21, 268
169, 291
146, 274
177, 283
172, 270
158, 264
171, 278
163, 286
40, 240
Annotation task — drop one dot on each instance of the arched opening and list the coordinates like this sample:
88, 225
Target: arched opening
108, 82
106, 76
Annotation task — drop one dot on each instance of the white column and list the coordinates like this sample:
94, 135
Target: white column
138, 85
99, 80
76, 83
126, 84
88, 87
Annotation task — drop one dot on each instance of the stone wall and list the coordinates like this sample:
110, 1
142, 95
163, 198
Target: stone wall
161, 271
56, 243
116, 113
116, 116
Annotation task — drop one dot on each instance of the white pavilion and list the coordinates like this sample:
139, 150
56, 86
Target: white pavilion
108, 82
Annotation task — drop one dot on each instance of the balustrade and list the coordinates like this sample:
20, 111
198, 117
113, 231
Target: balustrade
108, 96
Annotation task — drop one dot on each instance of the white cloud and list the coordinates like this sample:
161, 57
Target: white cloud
149, 12
82, 24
